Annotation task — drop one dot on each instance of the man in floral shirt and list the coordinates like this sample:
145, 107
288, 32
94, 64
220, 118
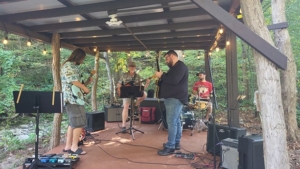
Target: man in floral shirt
77, 119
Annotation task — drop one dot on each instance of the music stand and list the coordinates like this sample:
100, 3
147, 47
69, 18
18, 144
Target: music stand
41, 102
131, 92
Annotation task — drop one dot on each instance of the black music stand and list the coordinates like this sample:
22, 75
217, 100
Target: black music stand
41, 102
131, 92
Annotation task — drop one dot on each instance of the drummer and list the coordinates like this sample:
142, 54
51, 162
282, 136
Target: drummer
203, 89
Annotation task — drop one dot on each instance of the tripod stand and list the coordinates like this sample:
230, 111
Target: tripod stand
41, 102
131, 92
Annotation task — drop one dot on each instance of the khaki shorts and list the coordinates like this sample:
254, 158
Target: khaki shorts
76, 115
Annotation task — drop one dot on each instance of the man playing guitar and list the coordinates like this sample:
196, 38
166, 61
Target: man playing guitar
126, 79
203, 89
76, 114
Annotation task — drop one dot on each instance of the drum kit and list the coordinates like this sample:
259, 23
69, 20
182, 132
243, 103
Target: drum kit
193, 113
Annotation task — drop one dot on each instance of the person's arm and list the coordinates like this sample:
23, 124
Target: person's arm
175, 75
73, 78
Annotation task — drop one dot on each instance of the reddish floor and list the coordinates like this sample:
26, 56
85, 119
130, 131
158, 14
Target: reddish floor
114, 154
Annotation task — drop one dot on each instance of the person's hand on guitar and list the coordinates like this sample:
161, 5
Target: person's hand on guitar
86, 90
158, 74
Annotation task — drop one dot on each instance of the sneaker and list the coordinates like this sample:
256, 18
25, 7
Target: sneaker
177, 146
123, 129
165, 151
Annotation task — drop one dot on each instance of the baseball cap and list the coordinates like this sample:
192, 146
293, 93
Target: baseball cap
131, 64
200, 73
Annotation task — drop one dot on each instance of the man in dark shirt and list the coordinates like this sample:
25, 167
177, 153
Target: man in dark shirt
174, 90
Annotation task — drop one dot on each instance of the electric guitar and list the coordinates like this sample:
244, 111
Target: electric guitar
157, 82
78, 93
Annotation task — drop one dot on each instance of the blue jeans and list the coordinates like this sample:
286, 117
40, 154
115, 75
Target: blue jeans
173, 111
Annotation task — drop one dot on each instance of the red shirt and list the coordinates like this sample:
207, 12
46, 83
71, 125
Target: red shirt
203, 89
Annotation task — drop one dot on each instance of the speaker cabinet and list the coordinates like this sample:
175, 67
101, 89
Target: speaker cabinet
222, 132
229, 154
251, 154
113, 114
95, 121
154, 102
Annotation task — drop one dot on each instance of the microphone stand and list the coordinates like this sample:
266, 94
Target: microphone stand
215, 106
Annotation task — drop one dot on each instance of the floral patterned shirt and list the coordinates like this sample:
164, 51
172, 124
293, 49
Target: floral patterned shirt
69, 74
126, 78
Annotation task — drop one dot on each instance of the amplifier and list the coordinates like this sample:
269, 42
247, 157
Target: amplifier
251, 154
95, 121
113, 114
222, 132
229, 154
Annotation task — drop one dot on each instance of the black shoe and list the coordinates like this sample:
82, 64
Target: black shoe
177, 146
165, 151
123, 130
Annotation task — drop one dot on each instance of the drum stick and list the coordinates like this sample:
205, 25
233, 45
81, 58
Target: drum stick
53, 93
21, 88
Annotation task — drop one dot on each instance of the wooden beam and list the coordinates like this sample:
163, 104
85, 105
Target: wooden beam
9, 1
67, 3
11, 28
199, 24
196, 33
126, 19
154, 48
278, 26
80, 9
243, 32
149, 42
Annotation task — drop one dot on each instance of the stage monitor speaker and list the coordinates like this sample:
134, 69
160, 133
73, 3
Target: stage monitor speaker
222, 132
95, 121
251, 154
154, 102
113, 114
229, 154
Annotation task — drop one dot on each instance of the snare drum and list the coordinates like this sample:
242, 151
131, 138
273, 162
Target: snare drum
202, 105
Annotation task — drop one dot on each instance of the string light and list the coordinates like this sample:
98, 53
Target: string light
221, 31
217, 49
60, 49
29, 42
108, 51
227, 42
209, 53
5, 40
95, 49
183, 55
44, 51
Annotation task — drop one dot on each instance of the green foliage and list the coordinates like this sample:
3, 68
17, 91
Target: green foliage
10, 143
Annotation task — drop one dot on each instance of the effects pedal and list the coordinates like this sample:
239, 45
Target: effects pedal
186, 156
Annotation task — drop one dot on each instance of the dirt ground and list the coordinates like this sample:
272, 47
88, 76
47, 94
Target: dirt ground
15, 159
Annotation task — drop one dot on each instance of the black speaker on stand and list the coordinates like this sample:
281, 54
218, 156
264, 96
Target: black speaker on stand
95, 121
251, 155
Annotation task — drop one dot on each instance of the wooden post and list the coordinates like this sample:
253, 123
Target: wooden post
232, 80
55, 41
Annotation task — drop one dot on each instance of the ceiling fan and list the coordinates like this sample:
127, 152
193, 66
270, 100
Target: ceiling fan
113, 20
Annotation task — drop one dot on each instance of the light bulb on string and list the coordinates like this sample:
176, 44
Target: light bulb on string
227, 43
95, 49
44, 51
108, 51
29, 42
221, 31
5, 40
217, 49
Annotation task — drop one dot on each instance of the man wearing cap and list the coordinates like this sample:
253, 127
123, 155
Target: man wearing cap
174, 90
203, 89
130, 77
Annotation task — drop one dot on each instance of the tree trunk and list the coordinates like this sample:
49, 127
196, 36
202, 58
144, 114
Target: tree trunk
245, 71
94, 87
288, 76
55, 138
270, 102
111, 84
